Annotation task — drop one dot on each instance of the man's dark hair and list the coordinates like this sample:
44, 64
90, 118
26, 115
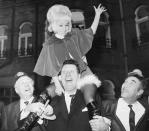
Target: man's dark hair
140, 78
73, 62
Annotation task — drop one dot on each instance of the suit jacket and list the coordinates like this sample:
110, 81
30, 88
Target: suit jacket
2, 115
76, 120
116, 125
12, 114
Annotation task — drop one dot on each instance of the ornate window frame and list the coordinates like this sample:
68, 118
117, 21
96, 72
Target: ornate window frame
140, 21
27, 46
3, 38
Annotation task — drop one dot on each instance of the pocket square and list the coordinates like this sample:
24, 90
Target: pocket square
84, 109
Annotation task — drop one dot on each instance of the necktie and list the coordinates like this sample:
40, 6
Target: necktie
22, 112
131, 118
72, 95
26, 102
72, 99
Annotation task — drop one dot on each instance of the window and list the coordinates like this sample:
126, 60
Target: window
25, 47
8, 94
3, 40
142, 24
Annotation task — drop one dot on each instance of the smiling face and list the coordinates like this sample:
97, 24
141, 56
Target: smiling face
59, 18
24, 87
61, 26
69, 77
131, 89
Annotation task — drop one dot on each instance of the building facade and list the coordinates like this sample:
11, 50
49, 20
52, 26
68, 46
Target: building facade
121, 42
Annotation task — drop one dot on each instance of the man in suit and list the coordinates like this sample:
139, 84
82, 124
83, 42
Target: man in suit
70, 108
128, 113
17, 111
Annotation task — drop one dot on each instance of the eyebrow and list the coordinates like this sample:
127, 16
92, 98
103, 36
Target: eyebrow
133, 81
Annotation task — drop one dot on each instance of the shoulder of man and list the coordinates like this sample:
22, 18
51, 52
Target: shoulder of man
144, 102
109, 105
12, 105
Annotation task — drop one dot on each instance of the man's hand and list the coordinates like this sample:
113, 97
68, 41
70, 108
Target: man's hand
98, 123
48, 113
41, 110
36, 107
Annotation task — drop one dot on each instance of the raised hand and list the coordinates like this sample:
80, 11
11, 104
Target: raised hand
99, 10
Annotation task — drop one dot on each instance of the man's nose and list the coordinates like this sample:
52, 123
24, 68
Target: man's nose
126, 85
68, 74
28, 85
65, 28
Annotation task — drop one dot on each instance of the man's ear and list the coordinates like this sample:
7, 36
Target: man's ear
79, 76
16, 90
140, 92
60, 78
50, 28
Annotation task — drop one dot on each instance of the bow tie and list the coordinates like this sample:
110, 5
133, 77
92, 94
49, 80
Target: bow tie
26, 102
72, 96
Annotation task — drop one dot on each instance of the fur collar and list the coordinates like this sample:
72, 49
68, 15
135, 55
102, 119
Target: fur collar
88, 79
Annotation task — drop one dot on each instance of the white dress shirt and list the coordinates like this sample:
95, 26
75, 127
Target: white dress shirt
24, 113
123, 111
68, 100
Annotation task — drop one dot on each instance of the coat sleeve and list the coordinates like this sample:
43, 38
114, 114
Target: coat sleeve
85, 40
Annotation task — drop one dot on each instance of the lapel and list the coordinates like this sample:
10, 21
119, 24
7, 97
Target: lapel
77, 103
117, 119
142, 117
63, 107
16, 111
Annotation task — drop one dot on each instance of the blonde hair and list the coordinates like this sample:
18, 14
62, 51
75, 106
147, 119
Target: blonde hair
58, 12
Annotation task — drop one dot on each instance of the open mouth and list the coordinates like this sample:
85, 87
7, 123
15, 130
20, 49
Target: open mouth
68, 79
28, 90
